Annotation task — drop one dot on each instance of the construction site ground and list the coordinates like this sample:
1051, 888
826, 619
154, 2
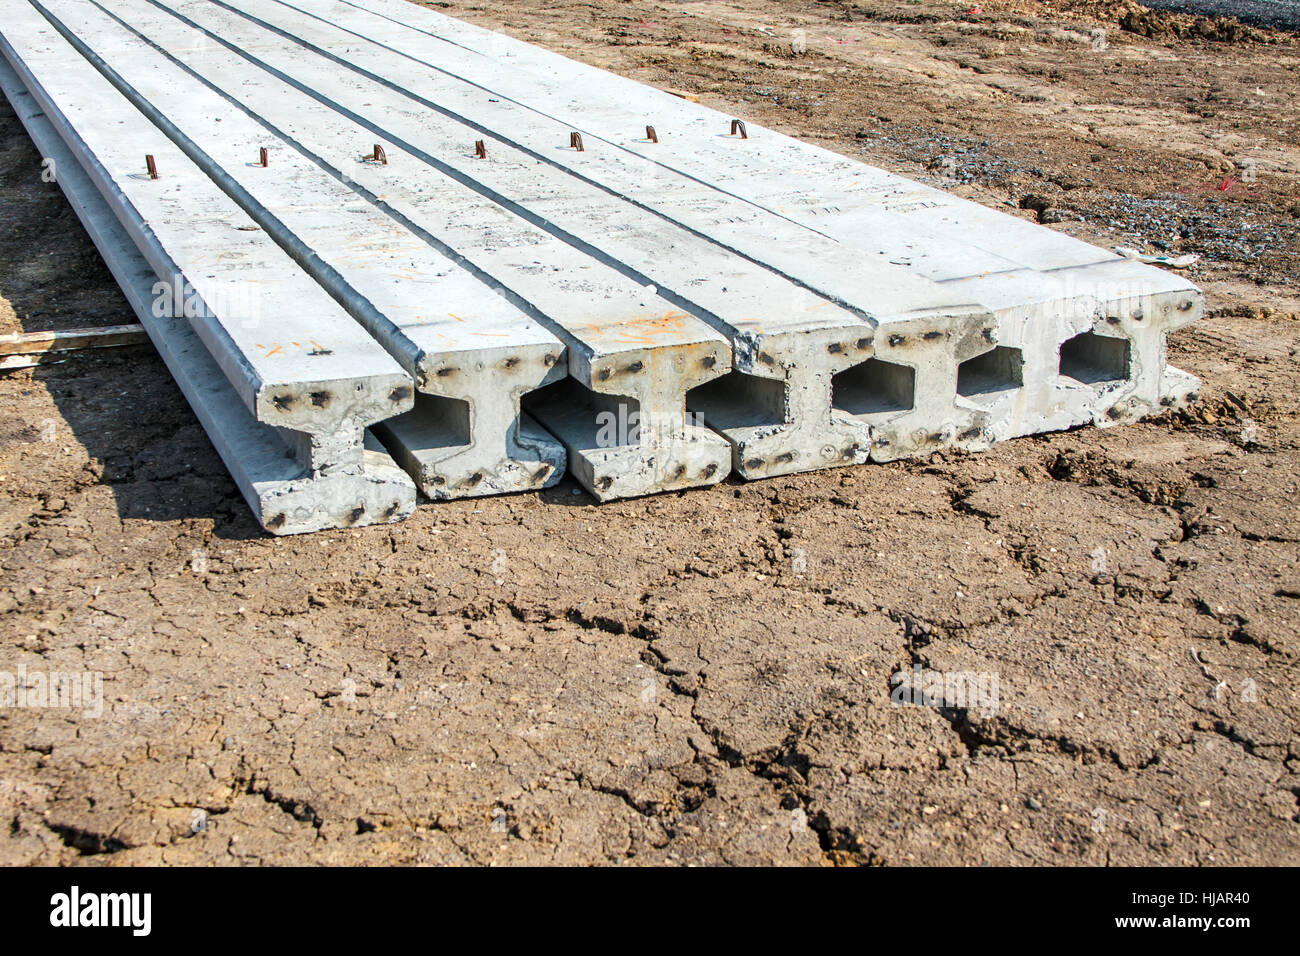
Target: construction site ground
705, 677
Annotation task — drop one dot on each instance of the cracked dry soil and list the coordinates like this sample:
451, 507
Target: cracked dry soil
705, 677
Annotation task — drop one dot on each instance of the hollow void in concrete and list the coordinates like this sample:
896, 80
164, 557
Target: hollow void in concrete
584, 418
873, 388
1093, 359
737, 400
434, 422
998, 370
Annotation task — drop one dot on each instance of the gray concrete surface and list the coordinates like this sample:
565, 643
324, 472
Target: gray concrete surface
283, 498
427, 310
603, 315
933, 233
813, 310
783, 295
294, 357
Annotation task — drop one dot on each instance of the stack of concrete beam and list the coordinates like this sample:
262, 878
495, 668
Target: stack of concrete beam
364, 235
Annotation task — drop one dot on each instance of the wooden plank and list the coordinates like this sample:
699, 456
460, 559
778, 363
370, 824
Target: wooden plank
64, 340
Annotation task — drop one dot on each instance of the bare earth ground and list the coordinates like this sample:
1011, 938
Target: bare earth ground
705, 677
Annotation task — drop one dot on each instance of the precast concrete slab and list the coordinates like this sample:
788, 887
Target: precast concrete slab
803, 182
466, 435
492, 216
284, 497
618, 328
791, 339
791, 301
293, 356
1084, 344
934, 233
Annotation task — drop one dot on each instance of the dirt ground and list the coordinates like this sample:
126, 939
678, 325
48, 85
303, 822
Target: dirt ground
706, 677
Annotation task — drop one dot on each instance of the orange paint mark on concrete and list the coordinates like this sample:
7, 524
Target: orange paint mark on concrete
644, 331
